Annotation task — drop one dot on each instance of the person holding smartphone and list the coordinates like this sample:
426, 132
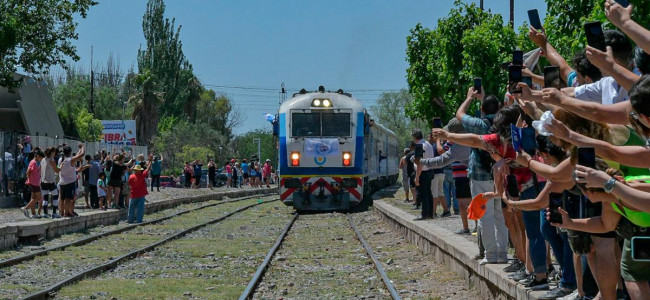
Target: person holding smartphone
637, 224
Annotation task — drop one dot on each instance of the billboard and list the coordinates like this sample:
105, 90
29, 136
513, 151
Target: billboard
119, 131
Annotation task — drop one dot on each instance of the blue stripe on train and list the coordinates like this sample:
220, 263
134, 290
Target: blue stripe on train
358, 160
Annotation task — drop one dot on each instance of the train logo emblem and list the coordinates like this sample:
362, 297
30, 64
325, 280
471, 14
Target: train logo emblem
323, 148
320, 160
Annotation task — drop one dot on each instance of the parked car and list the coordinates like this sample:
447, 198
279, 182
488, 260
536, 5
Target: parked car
167, 181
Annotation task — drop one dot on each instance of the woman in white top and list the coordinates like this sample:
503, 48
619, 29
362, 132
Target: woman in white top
68, 178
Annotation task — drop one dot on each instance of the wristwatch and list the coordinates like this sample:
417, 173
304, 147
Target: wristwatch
609, 185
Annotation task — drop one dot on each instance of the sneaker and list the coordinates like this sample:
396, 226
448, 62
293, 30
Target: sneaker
536, 285
56, 216
485, 261
47, 216
514, 267
456, 213
519, 275
462, 231
526, 280
572, 296
556, 293
474, 230
36, 216
445, 214
25, 212
74, 214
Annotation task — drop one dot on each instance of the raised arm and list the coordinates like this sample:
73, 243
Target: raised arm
542, 198
628, 196
466, 139
621, 17
539, 38
471, 95
612, 114
633, 156
605, 62
560, 173
80, 154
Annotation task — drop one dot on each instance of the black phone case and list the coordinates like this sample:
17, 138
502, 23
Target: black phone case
511, 184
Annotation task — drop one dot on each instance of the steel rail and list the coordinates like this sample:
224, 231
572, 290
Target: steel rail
48, 292
259, 274
20, 259
391, 288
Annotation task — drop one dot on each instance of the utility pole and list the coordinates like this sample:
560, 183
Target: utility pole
481, 5
512, 13
92, 84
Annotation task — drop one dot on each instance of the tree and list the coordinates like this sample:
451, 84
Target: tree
389, 111
245, 145
443, 61
145, 106
191, 153
217, 111
89, 129
36, 34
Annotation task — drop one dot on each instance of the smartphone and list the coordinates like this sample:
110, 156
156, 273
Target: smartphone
553, 208
419, 151
527, 140
478, 83
533, 17
552, 77
640, 248
511, 185
514, 77
437, 123
587, 157
624, 3
527, 80
595, 36
515, 134
518, 58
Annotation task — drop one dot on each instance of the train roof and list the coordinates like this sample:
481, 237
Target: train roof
339, 100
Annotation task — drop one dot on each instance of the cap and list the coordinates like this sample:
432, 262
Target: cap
137, 168
476, 209
268, 159
455, 126
232, 160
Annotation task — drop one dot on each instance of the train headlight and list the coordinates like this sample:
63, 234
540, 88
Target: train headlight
295, 158
347, 159
327, 103
316, 102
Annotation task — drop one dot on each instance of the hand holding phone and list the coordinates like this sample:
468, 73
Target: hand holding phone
514, 77
587, 157
478, 85
512, 186
518, 58
624, 3
554, 212
640, 246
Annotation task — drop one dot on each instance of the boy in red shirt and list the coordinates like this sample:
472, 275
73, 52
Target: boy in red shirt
138, 185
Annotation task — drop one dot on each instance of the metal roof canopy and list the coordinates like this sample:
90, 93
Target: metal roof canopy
30, 109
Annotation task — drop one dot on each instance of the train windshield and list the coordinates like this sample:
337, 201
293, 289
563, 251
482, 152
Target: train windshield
320, 124
305, 124
336, 124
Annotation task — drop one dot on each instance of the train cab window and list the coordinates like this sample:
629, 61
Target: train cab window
336, 124
305, 124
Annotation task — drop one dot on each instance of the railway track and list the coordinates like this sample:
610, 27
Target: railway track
252, 286
171, 227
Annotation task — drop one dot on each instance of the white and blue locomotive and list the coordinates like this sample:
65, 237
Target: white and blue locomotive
332, 155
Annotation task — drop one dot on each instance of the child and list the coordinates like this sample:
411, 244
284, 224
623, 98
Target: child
138, 184
101, 190
34, 183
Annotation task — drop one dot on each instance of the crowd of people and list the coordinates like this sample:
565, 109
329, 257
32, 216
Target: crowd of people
238, 173
556, 167
57, 176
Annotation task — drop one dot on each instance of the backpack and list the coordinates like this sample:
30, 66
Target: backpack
484, 157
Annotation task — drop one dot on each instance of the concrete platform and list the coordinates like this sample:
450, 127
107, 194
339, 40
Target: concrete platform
456, 252
11, 233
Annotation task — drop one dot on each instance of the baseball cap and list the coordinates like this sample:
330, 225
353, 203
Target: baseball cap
476, 209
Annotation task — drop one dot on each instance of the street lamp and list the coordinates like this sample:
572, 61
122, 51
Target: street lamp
259, 149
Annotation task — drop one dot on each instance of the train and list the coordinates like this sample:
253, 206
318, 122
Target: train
332, 155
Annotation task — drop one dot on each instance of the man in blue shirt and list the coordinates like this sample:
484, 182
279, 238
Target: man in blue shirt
156, 170
244, 171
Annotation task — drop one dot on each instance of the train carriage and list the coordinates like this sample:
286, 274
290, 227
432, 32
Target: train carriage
332, 155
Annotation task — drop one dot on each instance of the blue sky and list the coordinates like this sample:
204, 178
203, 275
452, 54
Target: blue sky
246, 49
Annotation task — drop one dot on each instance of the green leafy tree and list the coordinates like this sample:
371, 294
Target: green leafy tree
89, 128
191, 153
468, 43
245, 145
389, 112
36, 34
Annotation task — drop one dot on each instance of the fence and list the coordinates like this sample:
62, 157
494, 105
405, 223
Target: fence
13, 166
